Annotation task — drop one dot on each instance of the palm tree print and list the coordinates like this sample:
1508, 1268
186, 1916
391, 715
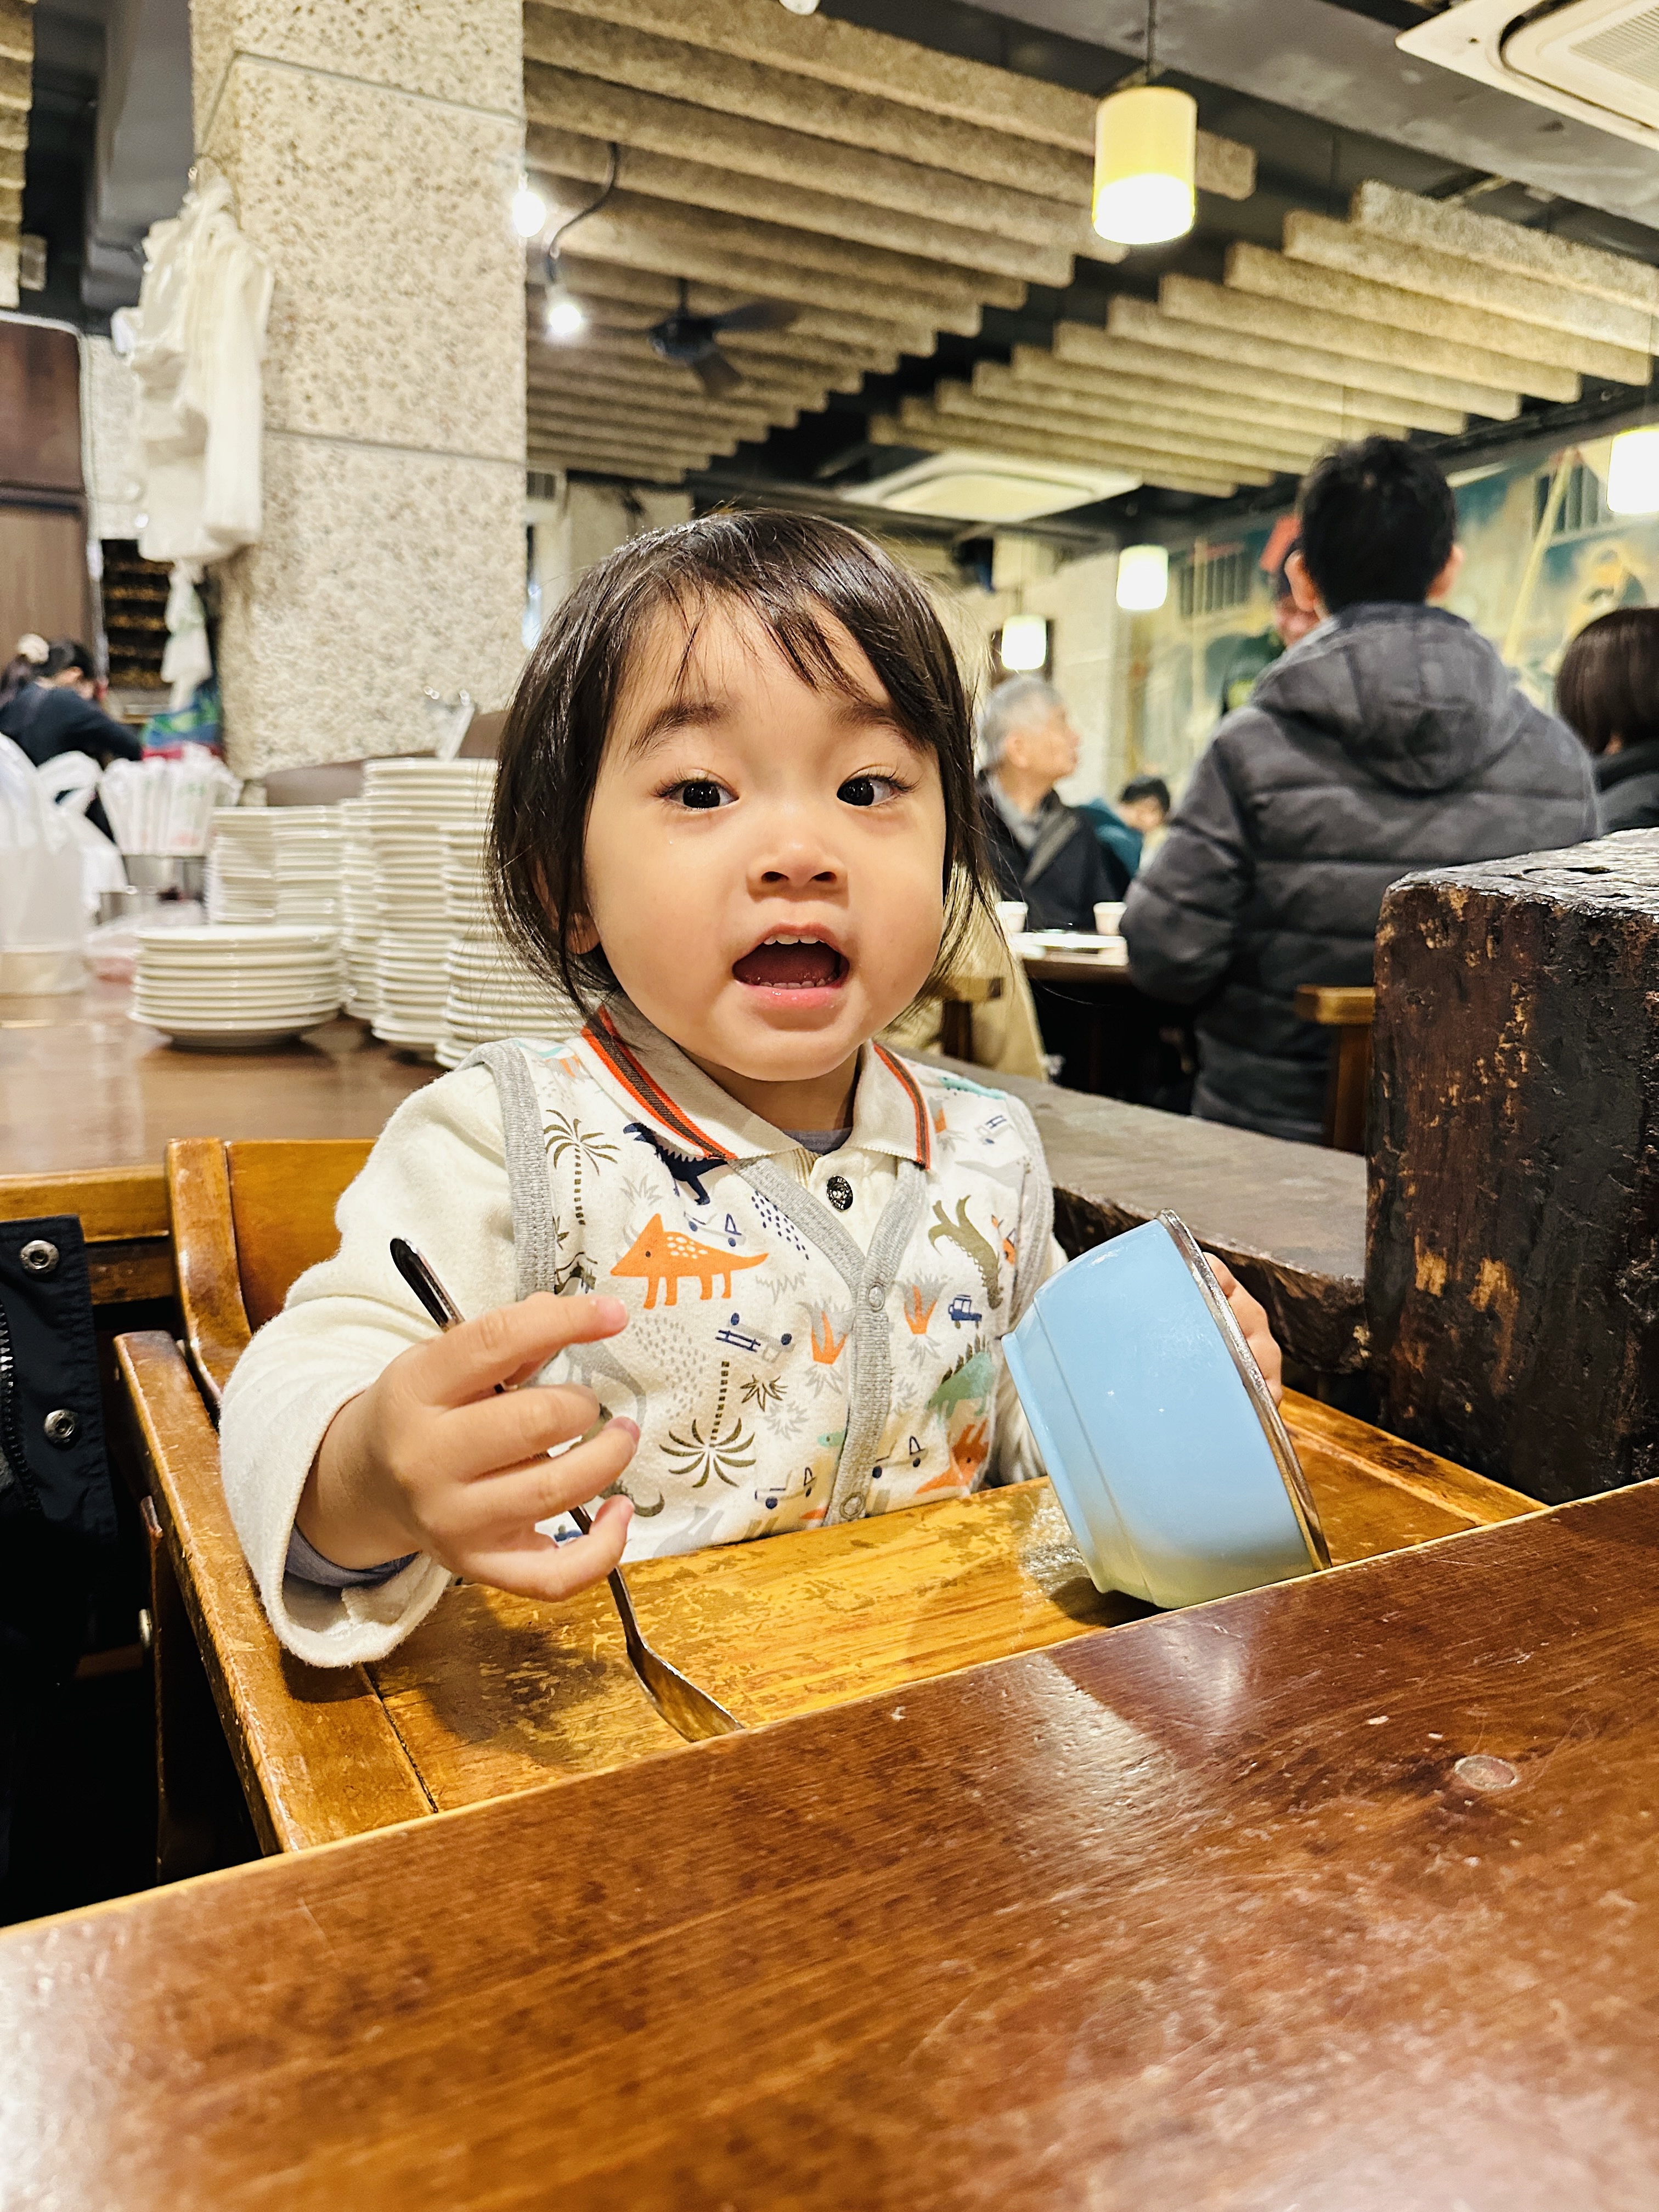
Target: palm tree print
586, 1147
720, 1448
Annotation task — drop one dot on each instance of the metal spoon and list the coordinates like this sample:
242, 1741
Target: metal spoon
681, 1703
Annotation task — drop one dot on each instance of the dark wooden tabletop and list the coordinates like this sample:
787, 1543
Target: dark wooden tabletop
1340, 1895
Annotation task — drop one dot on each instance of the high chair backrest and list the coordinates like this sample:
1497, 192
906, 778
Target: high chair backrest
248, 1218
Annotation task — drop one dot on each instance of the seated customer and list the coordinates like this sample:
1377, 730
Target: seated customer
1132, 830
1609, 689
1042, 851
1389, 739
58, 712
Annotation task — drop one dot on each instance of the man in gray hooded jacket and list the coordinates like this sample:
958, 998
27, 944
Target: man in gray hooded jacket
1389, 739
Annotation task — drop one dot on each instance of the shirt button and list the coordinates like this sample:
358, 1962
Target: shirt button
839, 1192
852, 1509
875, 1298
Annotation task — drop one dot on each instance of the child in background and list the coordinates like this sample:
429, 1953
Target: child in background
735, 818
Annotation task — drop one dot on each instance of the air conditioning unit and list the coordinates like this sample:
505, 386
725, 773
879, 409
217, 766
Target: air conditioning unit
974, 487
1595, 60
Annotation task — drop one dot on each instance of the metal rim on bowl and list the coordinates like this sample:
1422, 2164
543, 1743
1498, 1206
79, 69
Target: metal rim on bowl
1278, 1439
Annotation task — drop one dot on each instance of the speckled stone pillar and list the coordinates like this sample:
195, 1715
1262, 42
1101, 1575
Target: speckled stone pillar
374, 149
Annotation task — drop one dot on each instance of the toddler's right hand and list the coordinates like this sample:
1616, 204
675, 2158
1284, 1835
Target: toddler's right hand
432, 1458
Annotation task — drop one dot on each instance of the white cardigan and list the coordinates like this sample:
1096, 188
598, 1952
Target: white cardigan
810, 1337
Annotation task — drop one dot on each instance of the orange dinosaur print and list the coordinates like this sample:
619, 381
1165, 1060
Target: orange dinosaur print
939, 1117
968, 1451
826, 1345
666, 1258
919, 1300
1009, 1253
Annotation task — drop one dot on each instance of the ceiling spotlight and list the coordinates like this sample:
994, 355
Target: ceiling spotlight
566, 317
529, 209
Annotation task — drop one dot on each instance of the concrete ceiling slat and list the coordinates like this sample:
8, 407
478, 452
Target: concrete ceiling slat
852, 59
605, 460
1515, 350
1188, 380
927, 284
589, 358
699, 184
835, 304
1362, 346
1407, 388
665, 395
820, 344
17, 31
638, 410
682, 452
774, 155
943, 434
679, 70
1408, 220
1154, 406
1469, 285
953, 401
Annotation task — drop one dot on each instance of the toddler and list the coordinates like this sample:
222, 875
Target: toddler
757, 1267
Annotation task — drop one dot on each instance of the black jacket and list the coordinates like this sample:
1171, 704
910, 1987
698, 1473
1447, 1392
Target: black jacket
1064, 876
49, 719
1389, 739
1630, 788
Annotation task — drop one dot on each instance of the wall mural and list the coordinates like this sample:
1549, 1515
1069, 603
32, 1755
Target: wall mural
1543, 558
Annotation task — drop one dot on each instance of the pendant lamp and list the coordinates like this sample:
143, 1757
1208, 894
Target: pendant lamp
1024, 647
1143, 578
1146, 159
1633, 471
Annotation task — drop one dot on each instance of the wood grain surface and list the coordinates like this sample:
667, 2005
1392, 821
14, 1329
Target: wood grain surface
1209, 1912
282, 1197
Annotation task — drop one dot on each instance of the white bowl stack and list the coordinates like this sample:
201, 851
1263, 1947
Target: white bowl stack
241, 869
309, 857
410, 802
360, 911
492, 993
236, 989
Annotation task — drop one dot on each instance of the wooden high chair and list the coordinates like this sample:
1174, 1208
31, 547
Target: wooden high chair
1350, 1010
493, 1694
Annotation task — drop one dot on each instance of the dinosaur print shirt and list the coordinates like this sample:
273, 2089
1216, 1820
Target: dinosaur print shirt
810, 1337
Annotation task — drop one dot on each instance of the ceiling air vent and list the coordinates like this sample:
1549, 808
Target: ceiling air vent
1596, 60
968, 487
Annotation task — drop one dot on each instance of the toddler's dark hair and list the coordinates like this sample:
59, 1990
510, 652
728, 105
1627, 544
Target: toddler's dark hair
789, 572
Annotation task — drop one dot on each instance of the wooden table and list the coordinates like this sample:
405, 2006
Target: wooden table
1342, 1894
82, 1088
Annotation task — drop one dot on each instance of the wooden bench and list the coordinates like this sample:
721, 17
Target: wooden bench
493, 1694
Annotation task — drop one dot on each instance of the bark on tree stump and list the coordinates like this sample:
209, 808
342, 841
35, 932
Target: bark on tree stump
1512, 1273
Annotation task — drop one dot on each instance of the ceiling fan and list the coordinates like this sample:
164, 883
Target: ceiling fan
694, 341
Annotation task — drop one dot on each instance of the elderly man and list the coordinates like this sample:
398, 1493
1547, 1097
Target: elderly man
1042, 851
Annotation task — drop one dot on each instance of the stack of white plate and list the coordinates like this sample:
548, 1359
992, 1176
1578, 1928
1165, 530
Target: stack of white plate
309, 858
241, 869
230, 988
410, 802
492, 993
360, 911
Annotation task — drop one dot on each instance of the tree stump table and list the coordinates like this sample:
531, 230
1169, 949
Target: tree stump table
1512, 1275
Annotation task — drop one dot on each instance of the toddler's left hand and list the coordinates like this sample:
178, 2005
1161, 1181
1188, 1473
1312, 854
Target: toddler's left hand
1251, 1317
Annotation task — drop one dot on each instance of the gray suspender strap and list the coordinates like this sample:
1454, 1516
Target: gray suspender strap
870, 1279
535, 1232
1034, 1259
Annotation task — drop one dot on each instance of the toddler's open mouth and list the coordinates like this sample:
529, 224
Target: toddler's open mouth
782, 963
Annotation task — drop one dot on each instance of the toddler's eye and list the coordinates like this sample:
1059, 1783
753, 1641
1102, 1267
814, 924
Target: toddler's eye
868, 790
700, 792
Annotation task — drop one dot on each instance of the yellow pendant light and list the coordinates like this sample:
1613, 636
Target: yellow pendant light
1143, 578
1145, 160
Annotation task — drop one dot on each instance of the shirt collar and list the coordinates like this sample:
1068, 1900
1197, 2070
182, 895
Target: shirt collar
691, 1116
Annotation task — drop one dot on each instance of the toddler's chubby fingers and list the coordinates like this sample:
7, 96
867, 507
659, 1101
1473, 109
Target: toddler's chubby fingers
481, 1438
1252, 1318
542, 1569
509, 1343
503, 1509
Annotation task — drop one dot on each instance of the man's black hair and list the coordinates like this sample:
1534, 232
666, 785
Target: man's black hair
797, 576
1145, 787
1378, 523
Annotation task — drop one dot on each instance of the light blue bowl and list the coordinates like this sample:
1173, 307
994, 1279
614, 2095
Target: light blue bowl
1159, 1435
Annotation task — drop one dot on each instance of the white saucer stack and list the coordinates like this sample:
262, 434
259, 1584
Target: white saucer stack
409, 803
309, 856
236, 989
241, 869
360, 911
492, 993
